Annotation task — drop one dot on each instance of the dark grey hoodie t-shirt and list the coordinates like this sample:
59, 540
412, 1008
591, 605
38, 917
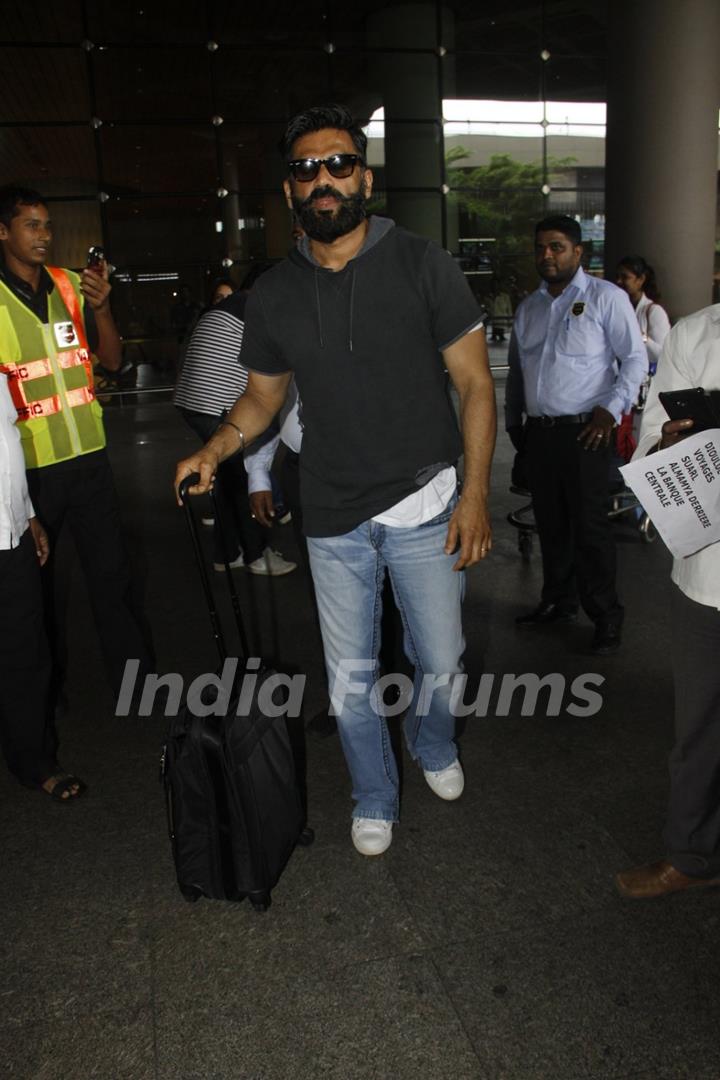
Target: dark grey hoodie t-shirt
364, 344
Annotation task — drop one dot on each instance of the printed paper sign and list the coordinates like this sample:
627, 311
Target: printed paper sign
680, 490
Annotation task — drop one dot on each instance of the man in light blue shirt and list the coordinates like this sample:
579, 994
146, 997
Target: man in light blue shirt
577, 360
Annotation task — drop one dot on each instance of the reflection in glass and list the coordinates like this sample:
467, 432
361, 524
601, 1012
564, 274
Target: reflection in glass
140, 159
152, 84
44, 84
55, 160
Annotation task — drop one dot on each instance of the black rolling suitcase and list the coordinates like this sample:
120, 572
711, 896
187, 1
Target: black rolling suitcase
234, 807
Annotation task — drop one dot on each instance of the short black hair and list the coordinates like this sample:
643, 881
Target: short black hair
561, 223
12, 196
318, 118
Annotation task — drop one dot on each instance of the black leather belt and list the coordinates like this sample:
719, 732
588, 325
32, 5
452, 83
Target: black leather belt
553, 421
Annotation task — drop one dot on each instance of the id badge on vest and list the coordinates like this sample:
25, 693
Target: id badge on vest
65, 335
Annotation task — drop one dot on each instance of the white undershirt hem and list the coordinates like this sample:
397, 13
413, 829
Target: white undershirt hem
422, 505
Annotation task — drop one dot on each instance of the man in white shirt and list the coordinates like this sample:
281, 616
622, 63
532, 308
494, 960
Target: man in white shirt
690, 357
27, 735
577, 361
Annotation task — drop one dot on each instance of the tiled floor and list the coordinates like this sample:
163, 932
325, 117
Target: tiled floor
487, 944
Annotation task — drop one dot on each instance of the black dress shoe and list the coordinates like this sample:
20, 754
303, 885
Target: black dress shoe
607, 639
546, 613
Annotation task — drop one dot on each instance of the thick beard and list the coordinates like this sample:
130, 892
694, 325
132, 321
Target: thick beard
328, 225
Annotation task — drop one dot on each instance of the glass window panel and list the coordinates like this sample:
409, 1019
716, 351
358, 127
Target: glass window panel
495, 76
142, 306
578, 114
498, 26
575, 29
491, 269
493, 161
161, 235
152, 84
492, 116
575, 79
375, 131
153, 22
250, 159
47, 84
143, 160
570, 156
495, 230
355, 26
293, 25
53, 20
270, 85
51, 159
352, 80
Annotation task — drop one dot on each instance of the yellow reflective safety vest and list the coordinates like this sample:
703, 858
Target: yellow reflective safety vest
49, 373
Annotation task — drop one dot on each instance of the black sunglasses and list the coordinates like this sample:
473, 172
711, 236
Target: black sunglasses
340, 166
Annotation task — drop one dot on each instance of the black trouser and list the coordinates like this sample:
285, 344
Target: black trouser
82, 493
692, 832
239, 528
290, 482
27, 733
569, 487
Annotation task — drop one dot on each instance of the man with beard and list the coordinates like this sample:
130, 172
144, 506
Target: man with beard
576, 364
367, 316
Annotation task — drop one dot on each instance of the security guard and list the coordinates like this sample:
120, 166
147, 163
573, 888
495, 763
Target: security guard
50, 322
576, 360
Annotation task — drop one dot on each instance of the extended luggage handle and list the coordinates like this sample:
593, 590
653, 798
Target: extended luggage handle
185, 498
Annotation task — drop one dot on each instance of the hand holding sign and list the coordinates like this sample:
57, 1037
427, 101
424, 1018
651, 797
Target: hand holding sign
679, 487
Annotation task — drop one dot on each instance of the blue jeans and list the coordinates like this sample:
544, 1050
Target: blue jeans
348, 573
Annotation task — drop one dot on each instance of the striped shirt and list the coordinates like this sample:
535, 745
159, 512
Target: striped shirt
212, 378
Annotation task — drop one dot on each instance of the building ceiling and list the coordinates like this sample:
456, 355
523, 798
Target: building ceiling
126, 99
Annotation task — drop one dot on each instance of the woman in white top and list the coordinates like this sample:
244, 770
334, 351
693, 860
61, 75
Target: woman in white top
637, 278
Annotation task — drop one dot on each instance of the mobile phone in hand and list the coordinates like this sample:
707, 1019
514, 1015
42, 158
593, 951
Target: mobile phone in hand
95, 258
693, 405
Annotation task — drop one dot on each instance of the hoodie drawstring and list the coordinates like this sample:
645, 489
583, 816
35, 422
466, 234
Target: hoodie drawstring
319, 309
352, 306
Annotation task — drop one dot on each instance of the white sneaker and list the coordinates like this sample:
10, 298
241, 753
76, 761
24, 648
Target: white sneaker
371, 836
448, 783
208, 521
234, 565
271, 563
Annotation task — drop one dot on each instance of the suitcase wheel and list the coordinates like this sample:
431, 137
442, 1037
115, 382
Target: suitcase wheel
260, 900
306, 837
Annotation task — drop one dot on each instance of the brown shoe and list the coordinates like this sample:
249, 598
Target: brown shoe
657, 879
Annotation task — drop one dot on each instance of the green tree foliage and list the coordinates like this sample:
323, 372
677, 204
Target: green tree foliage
502, 198
501, 201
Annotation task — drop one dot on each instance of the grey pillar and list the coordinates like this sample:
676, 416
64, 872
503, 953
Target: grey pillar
662, 143
411, 85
